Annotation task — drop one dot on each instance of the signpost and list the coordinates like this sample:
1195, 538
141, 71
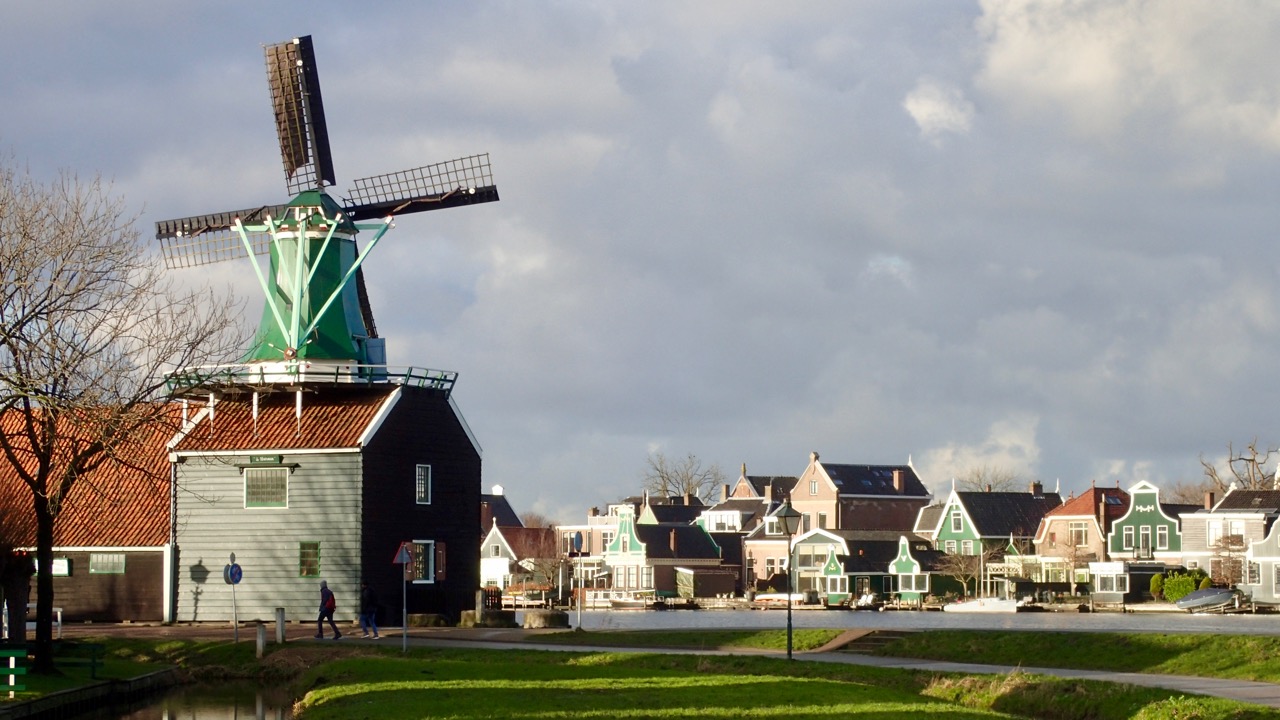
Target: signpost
405, 558
577, 571
232, 574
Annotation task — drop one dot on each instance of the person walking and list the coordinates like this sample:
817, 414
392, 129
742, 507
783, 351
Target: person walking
327, 605
368, 610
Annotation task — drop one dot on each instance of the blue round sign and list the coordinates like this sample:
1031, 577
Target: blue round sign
234, 574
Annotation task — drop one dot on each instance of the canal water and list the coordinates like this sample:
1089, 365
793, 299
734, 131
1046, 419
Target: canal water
243, 702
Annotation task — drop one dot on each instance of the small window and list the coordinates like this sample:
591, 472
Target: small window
495, 550
950, 547
422, 485
1162, 537
822, 521
1079, 533
813, 487
772, 526
957, 521
309, 559
966, 547
1128, 538
106, 563
266, 487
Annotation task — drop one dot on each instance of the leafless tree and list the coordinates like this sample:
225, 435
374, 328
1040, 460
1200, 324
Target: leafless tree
670, 478
1228, 560
987, 477
89, 326
968, 568
1186, 492
534, 519
1248, 469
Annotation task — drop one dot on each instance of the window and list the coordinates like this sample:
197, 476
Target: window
813, 486
1162, 537
822, 521
607, 537
1053, 539
1079, 533
106, 563
424, 560
805, 524
1213, 533
1128, 538
1113, 583
950, 547
624, 544
771, 526
1144, 538
966, 547
422, 485
309, 559
266, 487
1252, 574
771, 567
1275, 578
957, 521
913, 583
495, 550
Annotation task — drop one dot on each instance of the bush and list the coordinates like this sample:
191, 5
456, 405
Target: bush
1177, 584
1157, 586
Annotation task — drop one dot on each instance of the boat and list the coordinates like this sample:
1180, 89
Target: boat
1208, 600
983, 605
628, 603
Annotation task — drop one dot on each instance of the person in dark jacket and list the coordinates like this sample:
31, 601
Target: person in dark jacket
327, 605
368, 610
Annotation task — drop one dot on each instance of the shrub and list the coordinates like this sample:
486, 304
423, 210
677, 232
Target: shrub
1177, 584
1157, 586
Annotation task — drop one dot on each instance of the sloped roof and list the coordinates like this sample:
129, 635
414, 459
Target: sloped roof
1263, 501
1173, 510
730, 547
874, 479
746, 506
691, 541
124, 502
869, 556
782, 484
531, 542
927, 518
494, 509
331, 419
1087, 502
999, 514
676, 514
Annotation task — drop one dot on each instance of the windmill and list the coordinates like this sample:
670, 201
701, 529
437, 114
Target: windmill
317, 316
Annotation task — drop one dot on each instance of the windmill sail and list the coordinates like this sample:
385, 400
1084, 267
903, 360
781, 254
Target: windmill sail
299, 112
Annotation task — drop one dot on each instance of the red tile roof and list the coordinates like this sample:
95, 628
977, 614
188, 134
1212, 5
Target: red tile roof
330, 419
1086, 503
124, 502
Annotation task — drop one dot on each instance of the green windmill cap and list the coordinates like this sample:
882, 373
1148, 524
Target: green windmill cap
312, 199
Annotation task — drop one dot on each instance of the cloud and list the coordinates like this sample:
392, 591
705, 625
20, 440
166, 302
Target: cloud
1010, 445
938, 110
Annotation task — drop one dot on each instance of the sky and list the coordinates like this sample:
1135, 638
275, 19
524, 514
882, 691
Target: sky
1035, 237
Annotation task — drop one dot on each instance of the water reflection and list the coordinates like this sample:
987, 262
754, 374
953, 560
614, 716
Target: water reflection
222, 702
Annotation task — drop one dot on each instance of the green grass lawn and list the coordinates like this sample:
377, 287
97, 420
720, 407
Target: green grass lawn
1240, 657
700, 639
465, 684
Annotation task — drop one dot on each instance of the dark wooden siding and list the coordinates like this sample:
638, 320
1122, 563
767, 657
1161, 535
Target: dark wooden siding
137, 595
422, 429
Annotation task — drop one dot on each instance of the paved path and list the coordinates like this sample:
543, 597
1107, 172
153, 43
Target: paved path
1260, 693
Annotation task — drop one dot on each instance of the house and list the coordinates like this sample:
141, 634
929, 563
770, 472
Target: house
112, 548
329, 483
643, 559
494, 509
766, 488
520, 558
1216, 538
912, 570
682, 510
839, 564
1261, 576
858, 497
970, 521
1074, 534
1145, 541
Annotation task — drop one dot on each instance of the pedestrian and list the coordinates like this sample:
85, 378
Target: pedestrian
327, 605
368, 610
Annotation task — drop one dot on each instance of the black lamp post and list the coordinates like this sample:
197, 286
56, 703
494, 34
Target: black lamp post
789, 517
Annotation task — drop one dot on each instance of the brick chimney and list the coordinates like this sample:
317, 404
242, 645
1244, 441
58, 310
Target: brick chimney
1037, 489
674, 549
897, 480
1208, 500
686, 498
724, 492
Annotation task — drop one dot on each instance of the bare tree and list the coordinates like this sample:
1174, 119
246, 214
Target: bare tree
1228, 560
987, 477
667, 478
89, 327
1248, 469
1187, 492
534, 519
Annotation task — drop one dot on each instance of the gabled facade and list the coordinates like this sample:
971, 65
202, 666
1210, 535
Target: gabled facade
643, 559
518, 557
911, 570
833, 496
1217, 537
327, 487
1148, 531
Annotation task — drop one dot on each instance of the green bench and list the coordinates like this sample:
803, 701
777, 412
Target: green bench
11, 659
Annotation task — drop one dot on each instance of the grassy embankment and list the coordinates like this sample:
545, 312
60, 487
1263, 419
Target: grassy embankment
358, 680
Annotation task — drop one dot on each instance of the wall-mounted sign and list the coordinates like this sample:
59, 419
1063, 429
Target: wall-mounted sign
266, 459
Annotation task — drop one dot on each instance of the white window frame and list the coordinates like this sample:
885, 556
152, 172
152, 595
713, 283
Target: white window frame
1126, 538
957, 521
106, 563
1162, 537
426, 550
301, 549
1079, 533
422, 484
254, 477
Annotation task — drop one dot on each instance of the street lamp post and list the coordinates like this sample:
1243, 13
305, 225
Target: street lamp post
789, 517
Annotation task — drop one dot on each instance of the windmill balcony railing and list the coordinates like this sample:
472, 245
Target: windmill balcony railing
248, 375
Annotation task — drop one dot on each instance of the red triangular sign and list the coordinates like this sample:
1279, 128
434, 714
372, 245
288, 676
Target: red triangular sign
402, 555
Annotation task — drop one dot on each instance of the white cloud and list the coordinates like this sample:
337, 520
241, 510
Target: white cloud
938, 109
894, 267
1010, 445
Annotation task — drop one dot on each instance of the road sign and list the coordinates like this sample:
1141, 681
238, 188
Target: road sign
233, 574
403, 556
577, 541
